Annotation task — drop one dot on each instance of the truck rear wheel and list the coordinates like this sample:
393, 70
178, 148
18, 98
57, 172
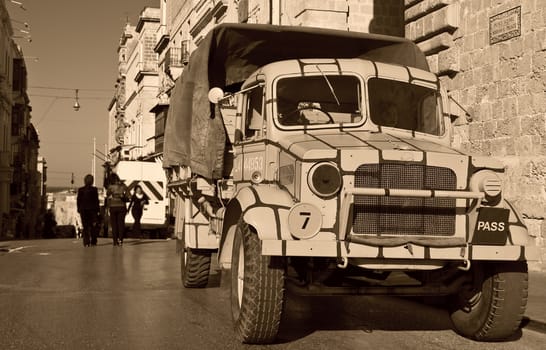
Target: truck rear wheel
257, 289
194, 267
493, 308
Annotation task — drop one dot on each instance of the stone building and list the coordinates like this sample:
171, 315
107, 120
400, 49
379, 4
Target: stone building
132, 125
369, 16
6, 49
25, 188
20, 197
491, 58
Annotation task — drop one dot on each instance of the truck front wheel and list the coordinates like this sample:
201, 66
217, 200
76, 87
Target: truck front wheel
257, 289
492, 308
194, 267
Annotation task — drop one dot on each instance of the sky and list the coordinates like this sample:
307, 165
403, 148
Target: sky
74, 46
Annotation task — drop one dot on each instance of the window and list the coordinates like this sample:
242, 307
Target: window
254, 115
405, 106
242, 11
319, 100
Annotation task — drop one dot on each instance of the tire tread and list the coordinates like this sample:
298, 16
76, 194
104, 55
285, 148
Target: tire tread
195, 272
263, 294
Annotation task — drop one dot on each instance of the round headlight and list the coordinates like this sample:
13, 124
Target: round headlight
492, 186
488, 182
324, 179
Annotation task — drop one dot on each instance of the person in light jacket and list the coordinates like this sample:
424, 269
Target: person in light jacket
116, 197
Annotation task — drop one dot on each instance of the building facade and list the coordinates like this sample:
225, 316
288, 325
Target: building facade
131, 124
491, 58
6, 57
20, 178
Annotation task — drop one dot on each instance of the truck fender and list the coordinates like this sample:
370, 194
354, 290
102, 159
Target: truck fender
264, 208
518, 230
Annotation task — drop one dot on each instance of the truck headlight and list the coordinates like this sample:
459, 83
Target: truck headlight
324, 179
488, 182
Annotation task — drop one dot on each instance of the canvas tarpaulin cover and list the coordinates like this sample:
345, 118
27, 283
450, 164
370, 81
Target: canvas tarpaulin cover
195, 135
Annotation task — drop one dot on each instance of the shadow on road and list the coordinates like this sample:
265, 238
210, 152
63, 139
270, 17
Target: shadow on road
305, 315
131, 242
533, 325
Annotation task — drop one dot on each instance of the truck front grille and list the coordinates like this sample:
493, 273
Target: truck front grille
403, 215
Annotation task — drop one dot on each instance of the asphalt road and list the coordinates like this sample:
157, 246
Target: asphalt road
56, 294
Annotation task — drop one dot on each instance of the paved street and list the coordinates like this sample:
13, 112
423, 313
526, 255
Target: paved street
55, 294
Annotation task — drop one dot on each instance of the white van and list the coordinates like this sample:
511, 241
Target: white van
151, 177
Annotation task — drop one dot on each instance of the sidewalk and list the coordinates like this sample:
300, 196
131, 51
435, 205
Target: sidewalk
536, 303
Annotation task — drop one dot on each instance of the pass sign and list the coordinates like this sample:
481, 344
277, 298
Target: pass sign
491, 226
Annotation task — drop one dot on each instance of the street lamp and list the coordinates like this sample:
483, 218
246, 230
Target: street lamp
77, 103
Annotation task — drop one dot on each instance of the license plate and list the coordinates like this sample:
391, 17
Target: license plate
491, 226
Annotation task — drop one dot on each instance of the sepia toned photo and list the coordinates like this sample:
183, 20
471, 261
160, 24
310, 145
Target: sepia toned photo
273, 174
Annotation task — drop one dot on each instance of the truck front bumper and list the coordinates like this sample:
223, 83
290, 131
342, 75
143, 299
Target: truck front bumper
408, 251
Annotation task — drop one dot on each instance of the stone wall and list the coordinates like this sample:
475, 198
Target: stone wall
368, 16
493, 63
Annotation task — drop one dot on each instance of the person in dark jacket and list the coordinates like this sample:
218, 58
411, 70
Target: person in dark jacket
116, 197
49, 224
89, 209
136, 206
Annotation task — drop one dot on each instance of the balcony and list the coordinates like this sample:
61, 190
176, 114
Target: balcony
175, 59
146, 68
163, 39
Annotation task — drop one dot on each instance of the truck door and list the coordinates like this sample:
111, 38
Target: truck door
250, 162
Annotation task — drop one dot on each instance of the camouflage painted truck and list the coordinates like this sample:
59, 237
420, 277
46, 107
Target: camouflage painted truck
318, 162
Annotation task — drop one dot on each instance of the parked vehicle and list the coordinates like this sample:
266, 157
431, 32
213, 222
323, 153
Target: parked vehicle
151, 177
319, 161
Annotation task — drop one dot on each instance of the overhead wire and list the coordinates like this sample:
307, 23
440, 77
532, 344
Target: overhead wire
48, 108
65, 88
72, 97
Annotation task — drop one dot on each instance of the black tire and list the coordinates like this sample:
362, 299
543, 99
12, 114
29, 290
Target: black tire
257, 296
195, 267
493, 309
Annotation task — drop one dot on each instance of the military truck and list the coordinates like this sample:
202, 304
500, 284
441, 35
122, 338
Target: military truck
318, 162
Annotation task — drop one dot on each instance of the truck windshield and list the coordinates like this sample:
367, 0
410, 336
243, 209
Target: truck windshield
405, 106
318, 99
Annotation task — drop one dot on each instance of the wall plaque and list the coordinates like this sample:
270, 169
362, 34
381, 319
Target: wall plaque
505, 25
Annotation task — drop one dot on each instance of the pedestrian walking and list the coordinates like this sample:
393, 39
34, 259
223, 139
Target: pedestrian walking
89, 209
116, 197
136, 206
49, 224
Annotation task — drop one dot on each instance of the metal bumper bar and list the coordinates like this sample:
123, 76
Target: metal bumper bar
336, 249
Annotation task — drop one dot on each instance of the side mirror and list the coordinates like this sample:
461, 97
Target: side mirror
453, 115
215, 95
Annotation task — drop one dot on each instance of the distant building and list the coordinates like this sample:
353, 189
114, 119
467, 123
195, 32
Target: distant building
132, 125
